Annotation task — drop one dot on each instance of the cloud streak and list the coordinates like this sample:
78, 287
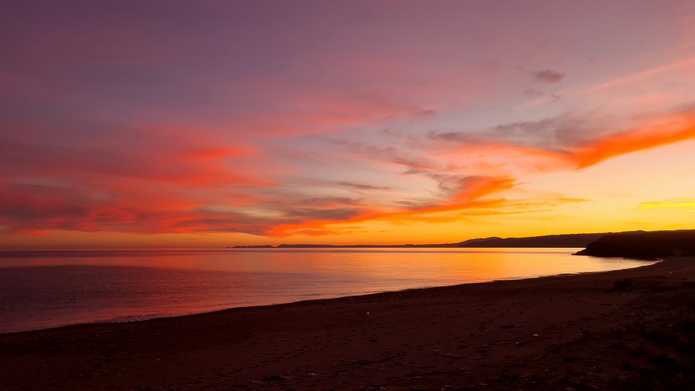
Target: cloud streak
548, 76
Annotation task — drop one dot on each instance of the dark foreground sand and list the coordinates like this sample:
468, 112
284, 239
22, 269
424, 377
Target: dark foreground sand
583, 332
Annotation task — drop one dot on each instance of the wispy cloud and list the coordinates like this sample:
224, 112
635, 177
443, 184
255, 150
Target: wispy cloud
548, 76
679, 203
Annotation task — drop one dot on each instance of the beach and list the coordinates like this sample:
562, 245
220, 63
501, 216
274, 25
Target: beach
627, 329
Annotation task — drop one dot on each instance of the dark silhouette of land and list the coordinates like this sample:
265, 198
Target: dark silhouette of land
569, 240
566, 240
643, 245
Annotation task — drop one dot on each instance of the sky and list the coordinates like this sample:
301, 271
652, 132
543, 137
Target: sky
168, 123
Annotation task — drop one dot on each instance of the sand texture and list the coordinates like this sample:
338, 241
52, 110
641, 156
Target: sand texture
621, 330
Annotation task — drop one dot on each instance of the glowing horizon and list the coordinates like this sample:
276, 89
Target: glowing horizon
222, 123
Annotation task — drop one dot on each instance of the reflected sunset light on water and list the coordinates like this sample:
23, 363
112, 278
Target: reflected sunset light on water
61, 288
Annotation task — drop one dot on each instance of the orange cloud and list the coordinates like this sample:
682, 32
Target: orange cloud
665, 131
467, 198
657, 131
193, 179
469, 193
215, 153
26, 232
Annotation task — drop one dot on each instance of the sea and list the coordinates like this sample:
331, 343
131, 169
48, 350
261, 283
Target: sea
40, 290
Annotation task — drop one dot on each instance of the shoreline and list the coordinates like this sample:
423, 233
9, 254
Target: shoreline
146, 317
579, 331
350, 297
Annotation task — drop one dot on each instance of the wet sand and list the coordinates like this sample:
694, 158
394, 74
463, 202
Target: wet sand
622, 330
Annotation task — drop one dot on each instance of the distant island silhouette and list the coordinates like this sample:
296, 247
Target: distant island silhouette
550, 241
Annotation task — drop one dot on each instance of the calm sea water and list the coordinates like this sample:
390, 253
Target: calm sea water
49, 289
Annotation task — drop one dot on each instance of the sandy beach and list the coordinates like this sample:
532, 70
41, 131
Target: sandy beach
622, 330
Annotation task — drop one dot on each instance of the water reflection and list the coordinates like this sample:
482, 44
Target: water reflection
43, 290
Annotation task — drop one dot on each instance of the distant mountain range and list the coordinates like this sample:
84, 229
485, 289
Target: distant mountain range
568, 240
